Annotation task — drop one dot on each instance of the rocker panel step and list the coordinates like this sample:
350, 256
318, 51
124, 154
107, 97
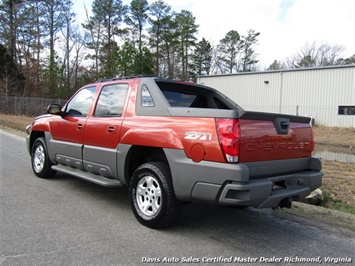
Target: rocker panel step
97, 179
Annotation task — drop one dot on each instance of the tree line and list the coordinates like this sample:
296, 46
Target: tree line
45, 52
314, 54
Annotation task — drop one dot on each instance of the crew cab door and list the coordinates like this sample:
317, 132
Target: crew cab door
102, 132
68, 129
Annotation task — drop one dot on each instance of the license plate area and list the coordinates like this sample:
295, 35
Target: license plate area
279, 184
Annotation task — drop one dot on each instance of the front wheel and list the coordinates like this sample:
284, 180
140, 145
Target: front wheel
152, 196
41, 165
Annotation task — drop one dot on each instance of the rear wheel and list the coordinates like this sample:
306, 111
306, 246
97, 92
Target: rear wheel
41, 165
152, 196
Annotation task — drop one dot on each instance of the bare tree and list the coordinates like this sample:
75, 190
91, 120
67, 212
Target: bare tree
315, 55
93, 39
68, 33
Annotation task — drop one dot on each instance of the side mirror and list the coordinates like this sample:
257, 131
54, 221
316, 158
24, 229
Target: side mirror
54, 109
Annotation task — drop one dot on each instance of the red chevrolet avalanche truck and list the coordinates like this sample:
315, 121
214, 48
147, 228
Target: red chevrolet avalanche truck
172, 142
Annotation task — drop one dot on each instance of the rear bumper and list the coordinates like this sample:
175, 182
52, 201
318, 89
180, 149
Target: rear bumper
242, 184
270, 192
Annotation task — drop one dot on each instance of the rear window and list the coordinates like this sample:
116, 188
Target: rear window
180, 99
188, 95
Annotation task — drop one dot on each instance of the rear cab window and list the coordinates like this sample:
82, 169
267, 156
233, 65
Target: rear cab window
194, 96
180, 99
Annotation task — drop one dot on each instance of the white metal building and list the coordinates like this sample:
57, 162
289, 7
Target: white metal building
326, 93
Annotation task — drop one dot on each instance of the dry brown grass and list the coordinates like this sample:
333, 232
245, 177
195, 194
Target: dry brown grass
15, 122
339, 181
335, 136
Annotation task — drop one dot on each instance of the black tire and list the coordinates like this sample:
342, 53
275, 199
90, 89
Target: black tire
152, 196
41, 165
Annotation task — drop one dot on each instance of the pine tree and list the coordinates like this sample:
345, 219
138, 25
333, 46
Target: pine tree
202, 58
186, 29
229, 50
248, 59
137, 17
101, 29
160, 17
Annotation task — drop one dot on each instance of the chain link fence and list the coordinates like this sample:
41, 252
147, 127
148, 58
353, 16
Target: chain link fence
26, 106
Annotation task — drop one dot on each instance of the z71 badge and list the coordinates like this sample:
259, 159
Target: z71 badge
198, 136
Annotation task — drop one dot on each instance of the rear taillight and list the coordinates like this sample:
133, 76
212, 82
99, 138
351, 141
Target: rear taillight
228, 134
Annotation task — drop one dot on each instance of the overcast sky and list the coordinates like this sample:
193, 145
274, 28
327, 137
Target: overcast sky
284, 25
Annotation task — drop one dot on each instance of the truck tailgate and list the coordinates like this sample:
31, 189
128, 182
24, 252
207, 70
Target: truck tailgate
265, 137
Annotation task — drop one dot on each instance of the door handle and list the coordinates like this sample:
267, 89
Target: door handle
111, 129
80, 126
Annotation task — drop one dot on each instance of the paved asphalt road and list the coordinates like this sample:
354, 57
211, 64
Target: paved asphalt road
67, 221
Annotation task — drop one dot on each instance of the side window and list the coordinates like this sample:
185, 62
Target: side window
180, 99
147, 100
346, 110
80, 104
111, 100
220, 104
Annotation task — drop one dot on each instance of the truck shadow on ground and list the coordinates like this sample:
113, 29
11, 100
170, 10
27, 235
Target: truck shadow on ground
208, 228
204, 215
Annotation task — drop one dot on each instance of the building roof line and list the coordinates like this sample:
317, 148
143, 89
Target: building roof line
279, 71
